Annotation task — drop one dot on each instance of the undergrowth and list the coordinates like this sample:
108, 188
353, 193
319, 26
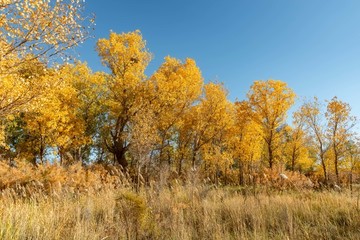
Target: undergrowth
101, 203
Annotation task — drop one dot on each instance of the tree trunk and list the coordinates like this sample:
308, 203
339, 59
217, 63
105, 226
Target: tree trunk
120, 157
270, 149
193, 159
336, 162
323, 167
241, 173
271, 160
293, 160
41, 152
118, 149
180, 165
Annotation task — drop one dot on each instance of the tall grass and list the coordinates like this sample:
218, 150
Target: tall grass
180, 212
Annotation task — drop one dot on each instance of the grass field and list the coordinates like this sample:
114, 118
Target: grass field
191, 212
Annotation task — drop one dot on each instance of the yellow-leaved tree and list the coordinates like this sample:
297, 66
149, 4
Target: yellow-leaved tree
210, 125
85, 102
126, 87
175, 86
31, 33
270, 100
247, 141
339, 130
56, 121
296, 152
41, 28
314, 120
18, 89
352, 159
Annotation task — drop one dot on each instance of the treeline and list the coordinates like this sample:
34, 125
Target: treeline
66, 114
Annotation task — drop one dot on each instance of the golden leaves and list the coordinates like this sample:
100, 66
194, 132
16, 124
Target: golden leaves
212, 124
60, 117
125, 54
248, 141
175, 86
171, 116
270, 100
40, 27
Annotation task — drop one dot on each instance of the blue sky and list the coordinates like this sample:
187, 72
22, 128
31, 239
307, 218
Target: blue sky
313, 45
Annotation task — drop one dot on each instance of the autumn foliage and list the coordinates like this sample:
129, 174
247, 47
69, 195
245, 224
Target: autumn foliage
171, 121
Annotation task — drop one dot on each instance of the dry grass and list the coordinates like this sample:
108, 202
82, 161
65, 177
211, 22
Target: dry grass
180, 212
51, 202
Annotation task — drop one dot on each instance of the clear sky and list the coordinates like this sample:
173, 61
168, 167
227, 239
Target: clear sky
313, 45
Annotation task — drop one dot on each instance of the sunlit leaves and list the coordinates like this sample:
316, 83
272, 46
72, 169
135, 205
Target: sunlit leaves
270, 100
340, 123
170, 119
127, 58
40, 27
248, 139
174, 88
125, 55
330, 131
31, 32
211, 126
313, 117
